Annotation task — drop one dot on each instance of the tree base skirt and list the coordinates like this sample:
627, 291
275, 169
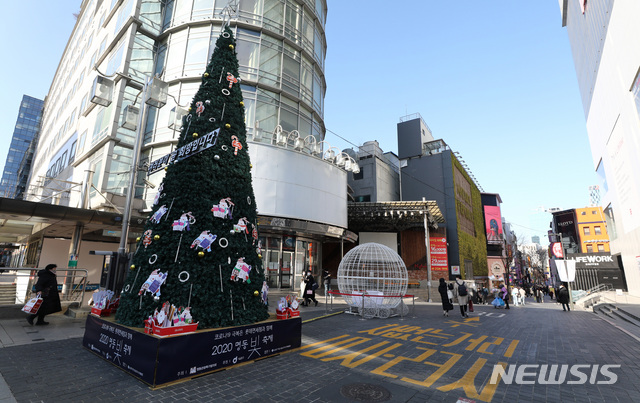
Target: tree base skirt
158, 361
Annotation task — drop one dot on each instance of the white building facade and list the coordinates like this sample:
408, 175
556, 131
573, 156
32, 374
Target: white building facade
301, 191
604, 37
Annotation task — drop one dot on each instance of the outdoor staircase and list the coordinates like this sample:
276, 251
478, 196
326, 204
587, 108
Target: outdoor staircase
7, 293
620, 318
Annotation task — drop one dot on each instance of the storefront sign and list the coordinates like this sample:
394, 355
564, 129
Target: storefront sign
556, 249
593, 261
496, 268
455, 270
438, 254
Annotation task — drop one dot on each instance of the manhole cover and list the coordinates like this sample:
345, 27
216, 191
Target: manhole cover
365, 392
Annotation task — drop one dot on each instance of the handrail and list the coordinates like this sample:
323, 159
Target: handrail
67, 275
593, 290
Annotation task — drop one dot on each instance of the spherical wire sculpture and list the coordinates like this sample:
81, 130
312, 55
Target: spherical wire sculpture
378, 272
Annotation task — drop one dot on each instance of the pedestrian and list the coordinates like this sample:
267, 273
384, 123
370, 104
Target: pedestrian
522, 295
485, 294
47, 286
310, 287
463, 296
551, 292
563, 298
327, 280
514, 296
505, 295
446, 296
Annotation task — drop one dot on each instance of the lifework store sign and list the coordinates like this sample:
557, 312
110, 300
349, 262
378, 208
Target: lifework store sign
438, 250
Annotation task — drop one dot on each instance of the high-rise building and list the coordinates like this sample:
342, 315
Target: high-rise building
20, 154
604, 42
300, 188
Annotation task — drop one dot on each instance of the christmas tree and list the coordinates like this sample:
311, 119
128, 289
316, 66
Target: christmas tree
200, 246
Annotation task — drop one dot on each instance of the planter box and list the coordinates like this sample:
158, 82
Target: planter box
158, 361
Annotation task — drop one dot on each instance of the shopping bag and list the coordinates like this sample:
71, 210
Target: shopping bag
470, 306
32, 305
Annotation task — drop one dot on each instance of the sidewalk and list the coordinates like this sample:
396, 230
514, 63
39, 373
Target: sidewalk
420, 357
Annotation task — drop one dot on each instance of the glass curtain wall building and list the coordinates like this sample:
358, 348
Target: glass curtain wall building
281, 49
604, 37
20, 154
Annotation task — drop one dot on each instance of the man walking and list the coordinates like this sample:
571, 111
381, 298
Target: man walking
563, 298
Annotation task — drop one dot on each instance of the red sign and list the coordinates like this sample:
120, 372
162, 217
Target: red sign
438, 251
556, 249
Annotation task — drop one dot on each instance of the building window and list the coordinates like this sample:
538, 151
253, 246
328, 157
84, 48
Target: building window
589, 248
586, 231
361, 199
597, 230
600, 247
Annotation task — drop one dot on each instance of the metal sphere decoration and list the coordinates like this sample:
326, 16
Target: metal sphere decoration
374, 269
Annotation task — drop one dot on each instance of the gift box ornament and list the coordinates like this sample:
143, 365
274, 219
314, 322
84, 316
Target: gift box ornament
170, 320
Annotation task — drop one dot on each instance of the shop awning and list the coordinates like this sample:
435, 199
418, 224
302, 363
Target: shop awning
393, 216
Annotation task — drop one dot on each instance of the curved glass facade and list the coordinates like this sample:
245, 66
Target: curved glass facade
281, 50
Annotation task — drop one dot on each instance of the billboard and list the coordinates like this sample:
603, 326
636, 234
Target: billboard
438, 253
493, 224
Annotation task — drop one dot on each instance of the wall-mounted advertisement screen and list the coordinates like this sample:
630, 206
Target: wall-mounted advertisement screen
438, 252
493, 224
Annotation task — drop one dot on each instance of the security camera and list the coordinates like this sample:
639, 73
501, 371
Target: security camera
149, 184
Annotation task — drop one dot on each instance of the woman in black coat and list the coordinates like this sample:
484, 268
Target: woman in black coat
446, 303
47, 286
309, 291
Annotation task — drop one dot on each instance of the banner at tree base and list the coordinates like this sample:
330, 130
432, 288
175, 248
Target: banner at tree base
157, 361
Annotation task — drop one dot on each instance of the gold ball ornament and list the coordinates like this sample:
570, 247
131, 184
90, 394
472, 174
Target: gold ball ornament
156, 237
201, 254
195, 135
231, 47
166, 168
138, 239
206, 74
256, 293
241, 103
250, 166
228, 126
260, 256
133, 266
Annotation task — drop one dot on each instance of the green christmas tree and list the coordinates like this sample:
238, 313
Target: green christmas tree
202, 231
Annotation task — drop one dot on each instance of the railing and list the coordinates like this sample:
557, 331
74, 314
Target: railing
366, 305
593, 290
72, 281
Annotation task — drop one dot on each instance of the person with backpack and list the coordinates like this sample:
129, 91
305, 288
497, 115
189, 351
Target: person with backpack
463, 296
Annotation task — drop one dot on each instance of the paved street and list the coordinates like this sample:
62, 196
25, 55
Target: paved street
422, 357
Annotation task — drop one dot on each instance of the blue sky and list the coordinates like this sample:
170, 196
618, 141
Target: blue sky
494, 79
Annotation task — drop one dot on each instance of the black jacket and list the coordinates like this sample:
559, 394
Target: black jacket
47, 285
563, 295
446, 304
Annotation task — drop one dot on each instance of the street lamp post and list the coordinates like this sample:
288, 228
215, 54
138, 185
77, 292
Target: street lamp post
428, 255
154, 92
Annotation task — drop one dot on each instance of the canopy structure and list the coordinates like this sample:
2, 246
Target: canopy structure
393, 216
